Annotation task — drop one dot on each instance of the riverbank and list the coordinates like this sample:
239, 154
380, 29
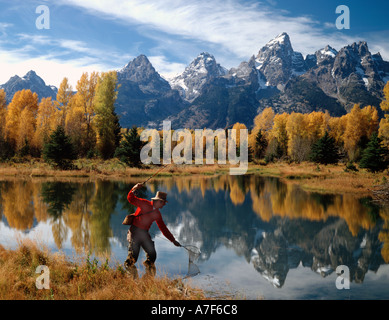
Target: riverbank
325, 178
85, 280
320, 178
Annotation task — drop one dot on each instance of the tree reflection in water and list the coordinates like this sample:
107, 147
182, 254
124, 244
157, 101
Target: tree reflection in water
274, 226
58, 196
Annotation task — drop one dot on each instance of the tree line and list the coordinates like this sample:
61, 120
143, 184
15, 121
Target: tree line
84, 124
357, 137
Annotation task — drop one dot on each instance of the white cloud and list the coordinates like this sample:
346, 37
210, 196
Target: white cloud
166, 68
69, 58
13, 64
239, 28
3, 27
230, 30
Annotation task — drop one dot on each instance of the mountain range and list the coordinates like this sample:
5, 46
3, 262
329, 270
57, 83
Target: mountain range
30, 81
208, 95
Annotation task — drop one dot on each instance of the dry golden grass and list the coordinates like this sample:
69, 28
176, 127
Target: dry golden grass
322, 178
325, 178
80, 281
110, 168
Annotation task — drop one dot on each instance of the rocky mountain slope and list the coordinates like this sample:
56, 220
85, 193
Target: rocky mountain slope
30, 81
283, 79
144, 97
208, 95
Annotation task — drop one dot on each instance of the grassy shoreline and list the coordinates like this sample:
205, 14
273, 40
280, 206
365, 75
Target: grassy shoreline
84, 280
310, 176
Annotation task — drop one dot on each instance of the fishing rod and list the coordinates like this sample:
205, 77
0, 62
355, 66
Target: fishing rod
193, 252
164, 167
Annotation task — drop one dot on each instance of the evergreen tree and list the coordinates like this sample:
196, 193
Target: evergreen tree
130, 148
59, 151
324, 150
260, 145
375, 156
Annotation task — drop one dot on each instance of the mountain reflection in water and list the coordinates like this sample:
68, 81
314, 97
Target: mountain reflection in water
273, 226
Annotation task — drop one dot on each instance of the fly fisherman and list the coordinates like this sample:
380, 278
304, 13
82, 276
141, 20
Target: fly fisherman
138, 234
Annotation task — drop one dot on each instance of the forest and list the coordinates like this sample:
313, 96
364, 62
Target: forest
83, 124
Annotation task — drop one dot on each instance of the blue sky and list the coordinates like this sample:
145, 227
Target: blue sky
93, 35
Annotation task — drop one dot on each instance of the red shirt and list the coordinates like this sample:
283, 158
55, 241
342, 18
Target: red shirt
148, 215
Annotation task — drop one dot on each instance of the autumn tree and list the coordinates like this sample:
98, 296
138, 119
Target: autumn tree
371, 120
262, 122
298, 144
236, 128
317, 124
337, 127
5, 150
260, 145
21, 119
64, 96
383, 130
3, 112
45, 122
12, 120
361, 123
278, 137
105, 121
74, 125
78, 122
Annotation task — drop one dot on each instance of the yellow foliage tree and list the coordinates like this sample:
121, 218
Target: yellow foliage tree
317, 124
361, 123
263, 122
337, 127
383, 130
21, 118
74, 121
62, 102
45, 122
3, 112
238, 126
354, 131
385, 103
298, 144
279, 133
370, 118
104, 120
80, 113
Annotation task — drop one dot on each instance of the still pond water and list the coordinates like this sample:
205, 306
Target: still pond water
259, 238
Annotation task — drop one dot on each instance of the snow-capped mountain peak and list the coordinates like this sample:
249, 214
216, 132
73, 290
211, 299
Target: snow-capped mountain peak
282, 38
278, 62
200, 71
329, 51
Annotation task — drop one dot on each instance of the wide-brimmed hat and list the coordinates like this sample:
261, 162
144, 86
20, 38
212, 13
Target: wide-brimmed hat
160, 196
